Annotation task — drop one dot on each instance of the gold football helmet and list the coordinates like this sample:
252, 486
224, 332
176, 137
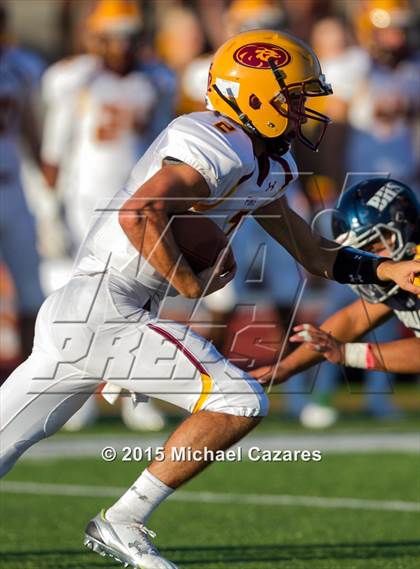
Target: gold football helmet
261, 79
373, 15
115, 16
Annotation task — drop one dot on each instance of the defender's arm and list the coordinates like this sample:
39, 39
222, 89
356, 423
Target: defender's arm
400, 356
326, 258
346, 325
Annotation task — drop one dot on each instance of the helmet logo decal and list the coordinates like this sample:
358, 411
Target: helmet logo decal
257, 55
384, 196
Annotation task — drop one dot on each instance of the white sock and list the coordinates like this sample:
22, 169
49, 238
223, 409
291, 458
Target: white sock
140, 501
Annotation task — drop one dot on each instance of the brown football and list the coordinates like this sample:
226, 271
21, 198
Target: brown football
199, 239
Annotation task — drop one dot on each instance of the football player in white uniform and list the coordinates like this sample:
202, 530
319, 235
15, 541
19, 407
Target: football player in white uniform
99, 106
227, 162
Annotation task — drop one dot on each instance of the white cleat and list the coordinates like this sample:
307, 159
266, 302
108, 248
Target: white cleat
142, 417
315, 416
127, 542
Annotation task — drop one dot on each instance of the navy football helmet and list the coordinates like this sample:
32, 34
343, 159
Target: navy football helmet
378, 209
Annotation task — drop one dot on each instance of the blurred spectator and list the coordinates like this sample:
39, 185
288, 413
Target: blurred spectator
20, 71
343, 64
244, 15
179, 41
99, 107
384, 110
179, 37
301, 15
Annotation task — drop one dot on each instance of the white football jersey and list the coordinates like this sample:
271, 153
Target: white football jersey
238, 182
91, 120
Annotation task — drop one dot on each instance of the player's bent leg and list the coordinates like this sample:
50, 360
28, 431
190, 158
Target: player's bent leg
225, 404
205, 430
121, 532
34, 405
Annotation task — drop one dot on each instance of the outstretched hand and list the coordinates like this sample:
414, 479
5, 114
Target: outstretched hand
320, 341
406, 274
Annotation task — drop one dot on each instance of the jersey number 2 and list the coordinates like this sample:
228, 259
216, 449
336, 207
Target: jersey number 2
224, 127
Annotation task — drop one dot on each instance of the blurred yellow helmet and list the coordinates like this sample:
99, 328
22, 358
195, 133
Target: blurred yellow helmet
374, 15
115, 16
244, 15
261, 79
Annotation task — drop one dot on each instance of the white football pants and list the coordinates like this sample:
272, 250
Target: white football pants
94, 330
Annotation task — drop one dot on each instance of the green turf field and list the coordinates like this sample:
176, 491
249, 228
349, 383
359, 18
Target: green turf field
45, 531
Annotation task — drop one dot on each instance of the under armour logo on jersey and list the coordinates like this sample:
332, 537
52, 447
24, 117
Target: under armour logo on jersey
355, 279
410, 302
250, 202
270, 187
384, 196
140, 496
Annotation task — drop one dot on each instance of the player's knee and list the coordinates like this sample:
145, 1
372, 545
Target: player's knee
248, 403
262, 405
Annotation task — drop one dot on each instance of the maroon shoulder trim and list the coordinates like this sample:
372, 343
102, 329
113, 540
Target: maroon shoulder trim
264, 167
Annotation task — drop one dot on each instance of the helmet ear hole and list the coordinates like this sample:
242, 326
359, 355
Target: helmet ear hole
254, 102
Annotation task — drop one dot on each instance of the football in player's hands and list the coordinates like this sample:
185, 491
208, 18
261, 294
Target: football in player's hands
200, 240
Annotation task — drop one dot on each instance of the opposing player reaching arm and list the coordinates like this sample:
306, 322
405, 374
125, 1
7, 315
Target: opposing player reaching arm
326, 258
334, 341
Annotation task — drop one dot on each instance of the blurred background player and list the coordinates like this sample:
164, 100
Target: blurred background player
384, 110
99, 107
20, 72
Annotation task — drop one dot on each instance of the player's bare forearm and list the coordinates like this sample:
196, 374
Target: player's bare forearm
151, 236
346, 325
145, 220
311, 250
400, 356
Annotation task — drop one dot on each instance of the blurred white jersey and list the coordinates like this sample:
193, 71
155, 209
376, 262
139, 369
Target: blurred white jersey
238, 181
93, 124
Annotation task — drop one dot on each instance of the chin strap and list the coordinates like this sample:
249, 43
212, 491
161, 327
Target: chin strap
245, 120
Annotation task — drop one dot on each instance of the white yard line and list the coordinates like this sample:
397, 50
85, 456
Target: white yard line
10, 487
